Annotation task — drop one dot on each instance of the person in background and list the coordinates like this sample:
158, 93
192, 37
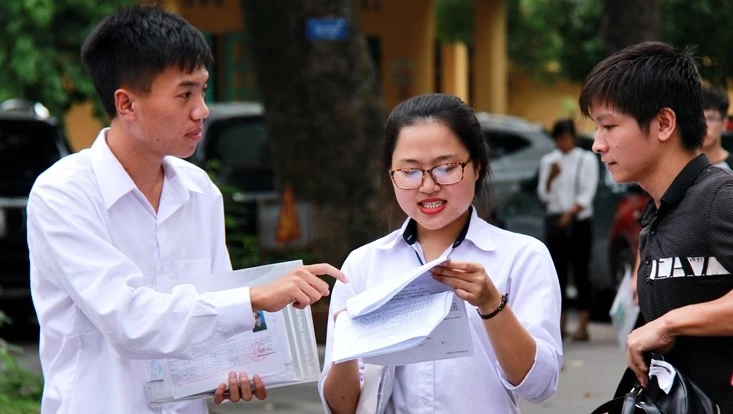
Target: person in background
568, 178
647, 103
715, 106
435, 162
107, 223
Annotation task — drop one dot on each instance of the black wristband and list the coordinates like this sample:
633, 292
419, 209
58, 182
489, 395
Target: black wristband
498, 309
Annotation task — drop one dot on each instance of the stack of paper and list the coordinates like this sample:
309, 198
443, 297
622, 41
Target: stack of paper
409, 319
281, 349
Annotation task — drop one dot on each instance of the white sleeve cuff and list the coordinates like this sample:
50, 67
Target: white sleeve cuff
542, 379
234, 309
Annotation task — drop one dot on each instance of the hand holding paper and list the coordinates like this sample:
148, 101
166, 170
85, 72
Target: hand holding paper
471, 283
392, 323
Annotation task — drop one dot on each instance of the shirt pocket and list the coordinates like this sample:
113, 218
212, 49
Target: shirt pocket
191, 268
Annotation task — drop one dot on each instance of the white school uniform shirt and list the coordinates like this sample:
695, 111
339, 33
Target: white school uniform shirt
518, 265
95, 245
577, 182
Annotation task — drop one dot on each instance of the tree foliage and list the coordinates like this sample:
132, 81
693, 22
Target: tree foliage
564, 38
555, 38
40, 42
705, 25
454, 21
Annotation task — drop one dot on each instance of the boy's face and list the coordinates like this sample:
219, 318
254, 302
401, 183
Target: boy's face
714, 128
628, 153
169, 119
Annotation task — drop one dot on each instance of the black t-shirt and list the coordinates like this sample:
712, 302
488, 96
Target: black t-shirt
686, 251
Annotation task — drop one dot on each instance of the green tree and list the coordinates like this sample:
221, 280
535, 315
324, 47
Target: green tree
555, 39
40, 43
704, 24
324, 114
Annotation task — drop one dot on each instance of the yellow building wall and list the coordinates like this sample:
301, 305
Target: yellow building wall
215, 18
406, 29
543, 103
81, 126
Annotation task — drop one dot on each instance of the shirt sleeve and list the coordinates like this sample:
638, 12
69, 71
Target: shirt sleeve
341, 293
543, 174
535, 300
71, 250
588, 179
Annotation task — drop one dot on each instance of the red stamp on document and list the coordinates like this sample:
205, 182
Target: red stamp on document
258, 351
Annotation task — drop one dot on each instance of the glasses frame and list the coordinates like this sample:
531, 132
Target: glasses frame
429, 171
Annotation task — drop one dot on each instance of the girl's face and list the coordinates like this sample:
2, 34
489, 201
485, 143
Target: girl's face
432, 205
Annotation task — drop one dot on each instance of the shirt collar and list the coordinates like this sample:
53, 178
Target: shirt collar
676, 191
114, 182
476, 231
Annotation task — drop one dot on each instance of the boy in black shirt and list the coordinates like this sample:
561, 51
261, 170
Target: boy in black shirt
646, 102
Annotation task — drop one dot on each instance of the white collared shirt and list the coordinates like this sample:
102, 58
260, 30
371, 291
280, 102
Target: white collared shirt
96, 244
576, 184
517, 264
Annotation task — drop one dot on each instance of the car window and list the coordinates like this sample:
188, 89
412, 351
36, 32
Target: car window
239, 142
504, 143
242, 146
27, 148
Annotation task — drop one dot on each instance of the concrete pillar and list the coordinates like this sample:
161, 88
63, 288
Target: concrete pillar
454, 69
490, 80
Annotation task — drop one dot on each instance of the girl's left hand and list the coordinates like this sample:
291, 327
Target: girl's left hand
470, 282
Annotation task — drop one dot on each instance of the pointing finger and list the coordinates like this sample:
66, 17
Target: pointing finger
327, 269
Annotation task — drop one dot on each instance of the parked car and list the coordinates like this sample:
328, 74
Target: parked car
524, 213
235, 145
516, 148
30, 141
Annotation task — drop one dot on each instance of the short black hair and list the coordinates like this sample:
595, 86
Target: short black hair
642, 79
561, 127
715, 99
134, 45
455, 114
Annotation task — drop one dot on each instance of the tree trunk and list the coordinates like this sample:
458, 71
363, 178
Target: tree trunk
324, 116
627, 22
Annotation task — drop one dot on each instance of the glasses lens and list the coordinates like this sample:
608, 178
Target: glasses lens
448, 174
407, 179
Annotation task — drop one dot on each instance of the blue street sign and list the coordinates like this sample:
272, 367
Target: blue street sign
334, 28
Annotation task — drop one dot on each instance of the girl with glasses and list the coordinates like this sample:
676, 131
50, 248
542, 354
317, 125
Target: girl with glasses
436, 163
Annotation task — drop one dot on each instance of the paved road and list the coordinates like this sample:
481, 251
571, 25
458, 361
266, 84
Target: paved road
588, 379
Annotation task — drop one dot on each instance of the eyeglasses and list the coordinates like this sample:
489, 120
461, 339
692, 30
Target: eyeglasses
712, 119
443, 174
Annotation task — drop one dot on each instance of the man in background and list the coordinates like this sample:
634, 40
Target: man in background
715, 106
568, 178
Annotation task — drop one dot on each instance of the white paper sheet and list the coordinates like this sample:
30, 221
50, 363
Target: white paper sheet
373, 298
392, 333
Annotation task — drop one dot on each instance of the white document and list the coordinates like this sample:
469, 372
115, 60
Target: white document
373, 298
423, 320
281, 349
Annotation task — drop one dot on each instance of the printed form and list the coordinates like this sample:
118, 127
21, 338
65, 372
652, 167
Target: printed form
410, 319
281, 348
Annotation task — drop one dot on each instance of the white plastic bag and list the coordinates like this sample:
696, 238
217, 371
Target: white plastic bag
624, 311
